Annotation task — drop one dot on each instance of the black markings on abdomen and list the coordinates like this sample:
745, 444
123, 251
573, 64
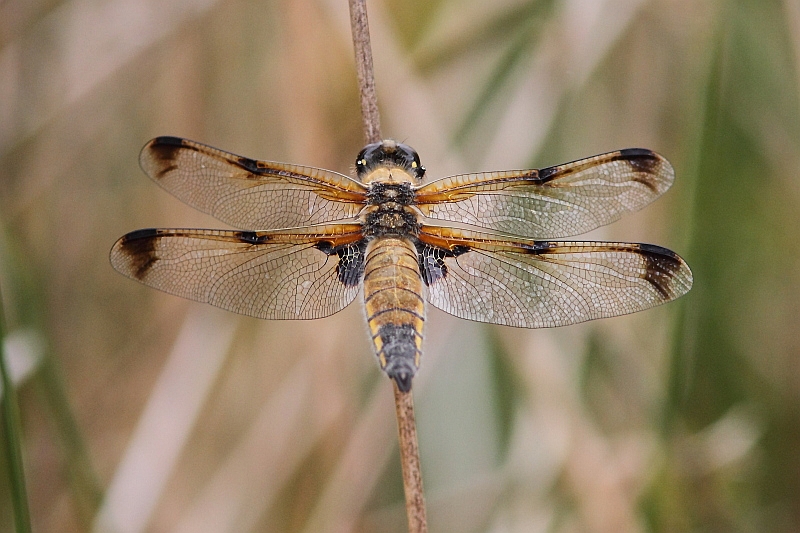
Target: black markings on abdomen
400, 351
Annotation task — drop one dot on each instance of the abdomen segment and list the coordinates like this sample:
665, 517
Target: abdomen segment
395, 307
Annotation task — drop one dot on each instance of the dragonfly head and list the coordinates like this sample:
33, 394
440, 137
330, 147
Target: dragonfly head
386, 156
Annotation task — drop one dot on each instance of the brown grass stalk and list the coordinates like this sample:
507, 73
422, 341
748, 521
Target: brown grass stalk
404, 402
409, 459
366, 75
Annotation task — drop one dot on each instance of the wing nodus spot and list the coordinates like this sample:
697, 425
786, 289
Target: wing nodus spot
139, 247
248, 164
400, 351
251, 237
547, 174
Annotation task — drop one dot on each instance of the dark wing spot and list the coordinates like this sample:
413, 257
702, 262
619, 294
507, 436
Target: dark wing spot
325, 247
547, 174
644, 163
540, 247
167, 140
661, 265
139, 246
640, 158
458, 249
248, 164
352, 259
431, 261
251, 237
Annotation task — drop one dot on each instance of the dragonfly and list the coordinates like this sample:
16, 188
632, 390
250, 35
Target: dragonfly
478, 246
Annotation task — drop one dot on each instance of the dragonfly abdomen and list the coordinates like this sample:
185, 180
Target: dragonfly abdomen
395, 306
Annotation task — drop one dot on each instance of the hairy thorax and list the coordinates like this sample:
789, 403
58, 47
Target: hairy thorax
389, 212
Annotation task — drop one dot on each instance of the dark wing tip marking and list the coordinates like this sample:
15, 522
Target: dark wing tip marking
167, 140
634, 153
661, 269
644, 162
164, 151
665, 270
138, 249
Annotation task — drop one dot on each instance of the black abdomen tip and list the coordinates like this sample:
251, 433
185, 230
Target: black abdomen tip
403, 381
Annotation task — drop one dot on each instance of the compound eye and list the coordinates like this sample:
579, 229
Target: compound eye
361, 163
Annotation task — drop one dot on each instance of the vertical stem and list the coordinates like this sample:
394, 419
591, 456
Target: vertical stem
13, 440
404, 402
366, 75
409, 459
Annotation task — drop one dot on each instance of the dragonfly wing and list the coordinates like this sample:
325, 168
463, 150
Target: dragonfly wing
534, 284
272, 275
247, 193
555, 202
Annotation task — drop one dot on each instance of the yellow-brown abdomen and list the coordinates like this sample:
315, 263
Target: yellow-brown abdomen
395, 306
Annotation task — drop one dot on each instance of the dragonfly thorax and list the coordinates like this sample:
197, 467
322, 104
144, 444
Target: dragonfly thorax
381, 193
388, 211
390, 219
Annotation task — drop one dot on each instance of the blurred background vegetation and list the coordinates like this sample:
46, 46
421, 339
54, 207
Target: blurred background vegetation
144, 412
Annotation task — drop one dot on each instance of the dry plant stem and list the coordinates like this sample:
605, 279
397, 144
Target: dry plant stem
404, 402
366, 75
409, 459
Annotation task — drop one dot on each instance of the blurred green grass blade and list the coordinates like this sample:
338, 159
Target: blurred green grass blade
742, 230
85, 485
30, 306
12, 432
681, 364
497, 80
507, 394
525, 36
496, 30
744, 253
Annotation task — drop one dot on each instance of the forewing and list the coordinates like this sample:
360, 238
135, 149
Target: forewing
246, 193
270, 275
544, 284
554, 202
